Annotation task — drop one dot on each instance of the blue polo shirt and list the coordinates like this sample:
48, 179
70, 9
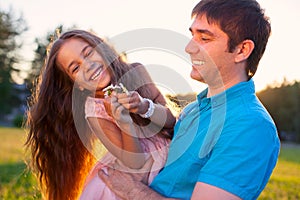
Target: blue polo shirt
229, 141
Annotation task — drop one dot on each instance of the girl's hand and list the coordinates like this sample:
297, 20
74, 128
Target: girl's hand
122, 117
133, 102
119, 112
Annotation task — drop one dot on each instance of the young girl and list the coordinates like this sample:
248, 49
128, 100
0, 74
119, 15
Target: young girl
68, 110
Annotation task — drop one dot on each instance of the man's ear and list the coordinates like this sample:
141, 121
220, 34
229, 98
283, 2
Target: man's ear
244, 50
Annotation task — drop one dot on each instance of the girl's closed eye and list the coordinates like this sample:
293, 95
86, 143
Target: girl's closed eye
75, 69
89, 52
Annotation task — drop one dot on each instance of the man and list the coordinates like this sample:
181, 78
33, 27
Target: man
225, 144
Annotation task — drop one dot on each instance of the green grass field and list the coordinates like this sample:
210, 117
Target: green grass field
16, 182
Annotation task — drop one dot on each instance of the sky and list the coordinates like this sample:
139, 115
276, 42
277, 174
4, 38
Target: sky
114, 19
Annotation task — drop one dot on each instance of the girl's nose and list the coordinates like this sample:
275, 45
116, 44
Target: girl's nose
88, 65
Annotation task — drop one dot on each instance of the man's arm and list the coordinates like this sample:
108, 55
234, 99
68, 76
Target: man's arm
128, 186
205, 191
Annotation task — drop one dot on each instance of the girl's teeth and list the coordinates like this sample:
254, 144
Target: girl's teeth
96, 75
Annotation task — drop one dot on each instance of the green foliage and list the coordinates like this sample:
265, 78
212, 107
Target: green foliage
16, 182
285, 180
10, 29
18, 121
283, 103
40, 54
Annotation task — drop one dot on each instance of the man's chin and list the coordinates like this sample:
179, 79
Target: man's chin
197, 77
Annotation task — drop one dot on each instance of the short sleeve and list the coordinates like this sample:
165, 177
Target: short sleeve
94, 107
242, 160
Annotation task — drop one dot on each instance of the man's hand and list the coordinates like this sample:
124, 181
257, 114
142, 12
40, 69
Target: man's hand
121, 183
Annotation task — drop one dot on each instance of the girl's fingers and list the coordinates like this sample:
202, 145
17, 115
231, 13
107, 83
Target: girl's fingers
131, 98
131, 101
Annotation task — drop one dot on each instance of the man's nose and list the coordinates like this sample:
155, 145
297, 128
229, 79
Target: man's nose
192, 47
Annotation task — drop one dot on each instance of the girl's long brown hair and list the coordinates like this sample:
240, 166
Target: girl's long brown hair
58, 156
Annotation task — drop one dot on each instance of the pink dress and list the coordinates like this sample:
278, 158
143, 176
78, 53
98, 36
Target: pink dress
157, 149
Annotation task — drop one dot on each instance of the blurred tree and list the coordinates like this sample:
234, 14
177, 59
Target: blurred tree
283, 103
42, 46
11, 29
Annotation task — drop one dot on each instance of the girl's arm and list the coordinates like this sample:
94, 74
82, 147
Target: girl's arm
162, 116
121, 143
161, 111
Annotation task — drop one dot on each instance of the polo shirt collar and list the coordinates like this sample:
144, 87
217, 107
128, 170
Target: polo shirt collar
227, 95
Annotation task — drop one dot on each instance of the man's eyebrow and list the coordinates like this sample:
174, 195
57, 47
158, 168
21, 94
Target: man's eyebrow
202, 31
82, 51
